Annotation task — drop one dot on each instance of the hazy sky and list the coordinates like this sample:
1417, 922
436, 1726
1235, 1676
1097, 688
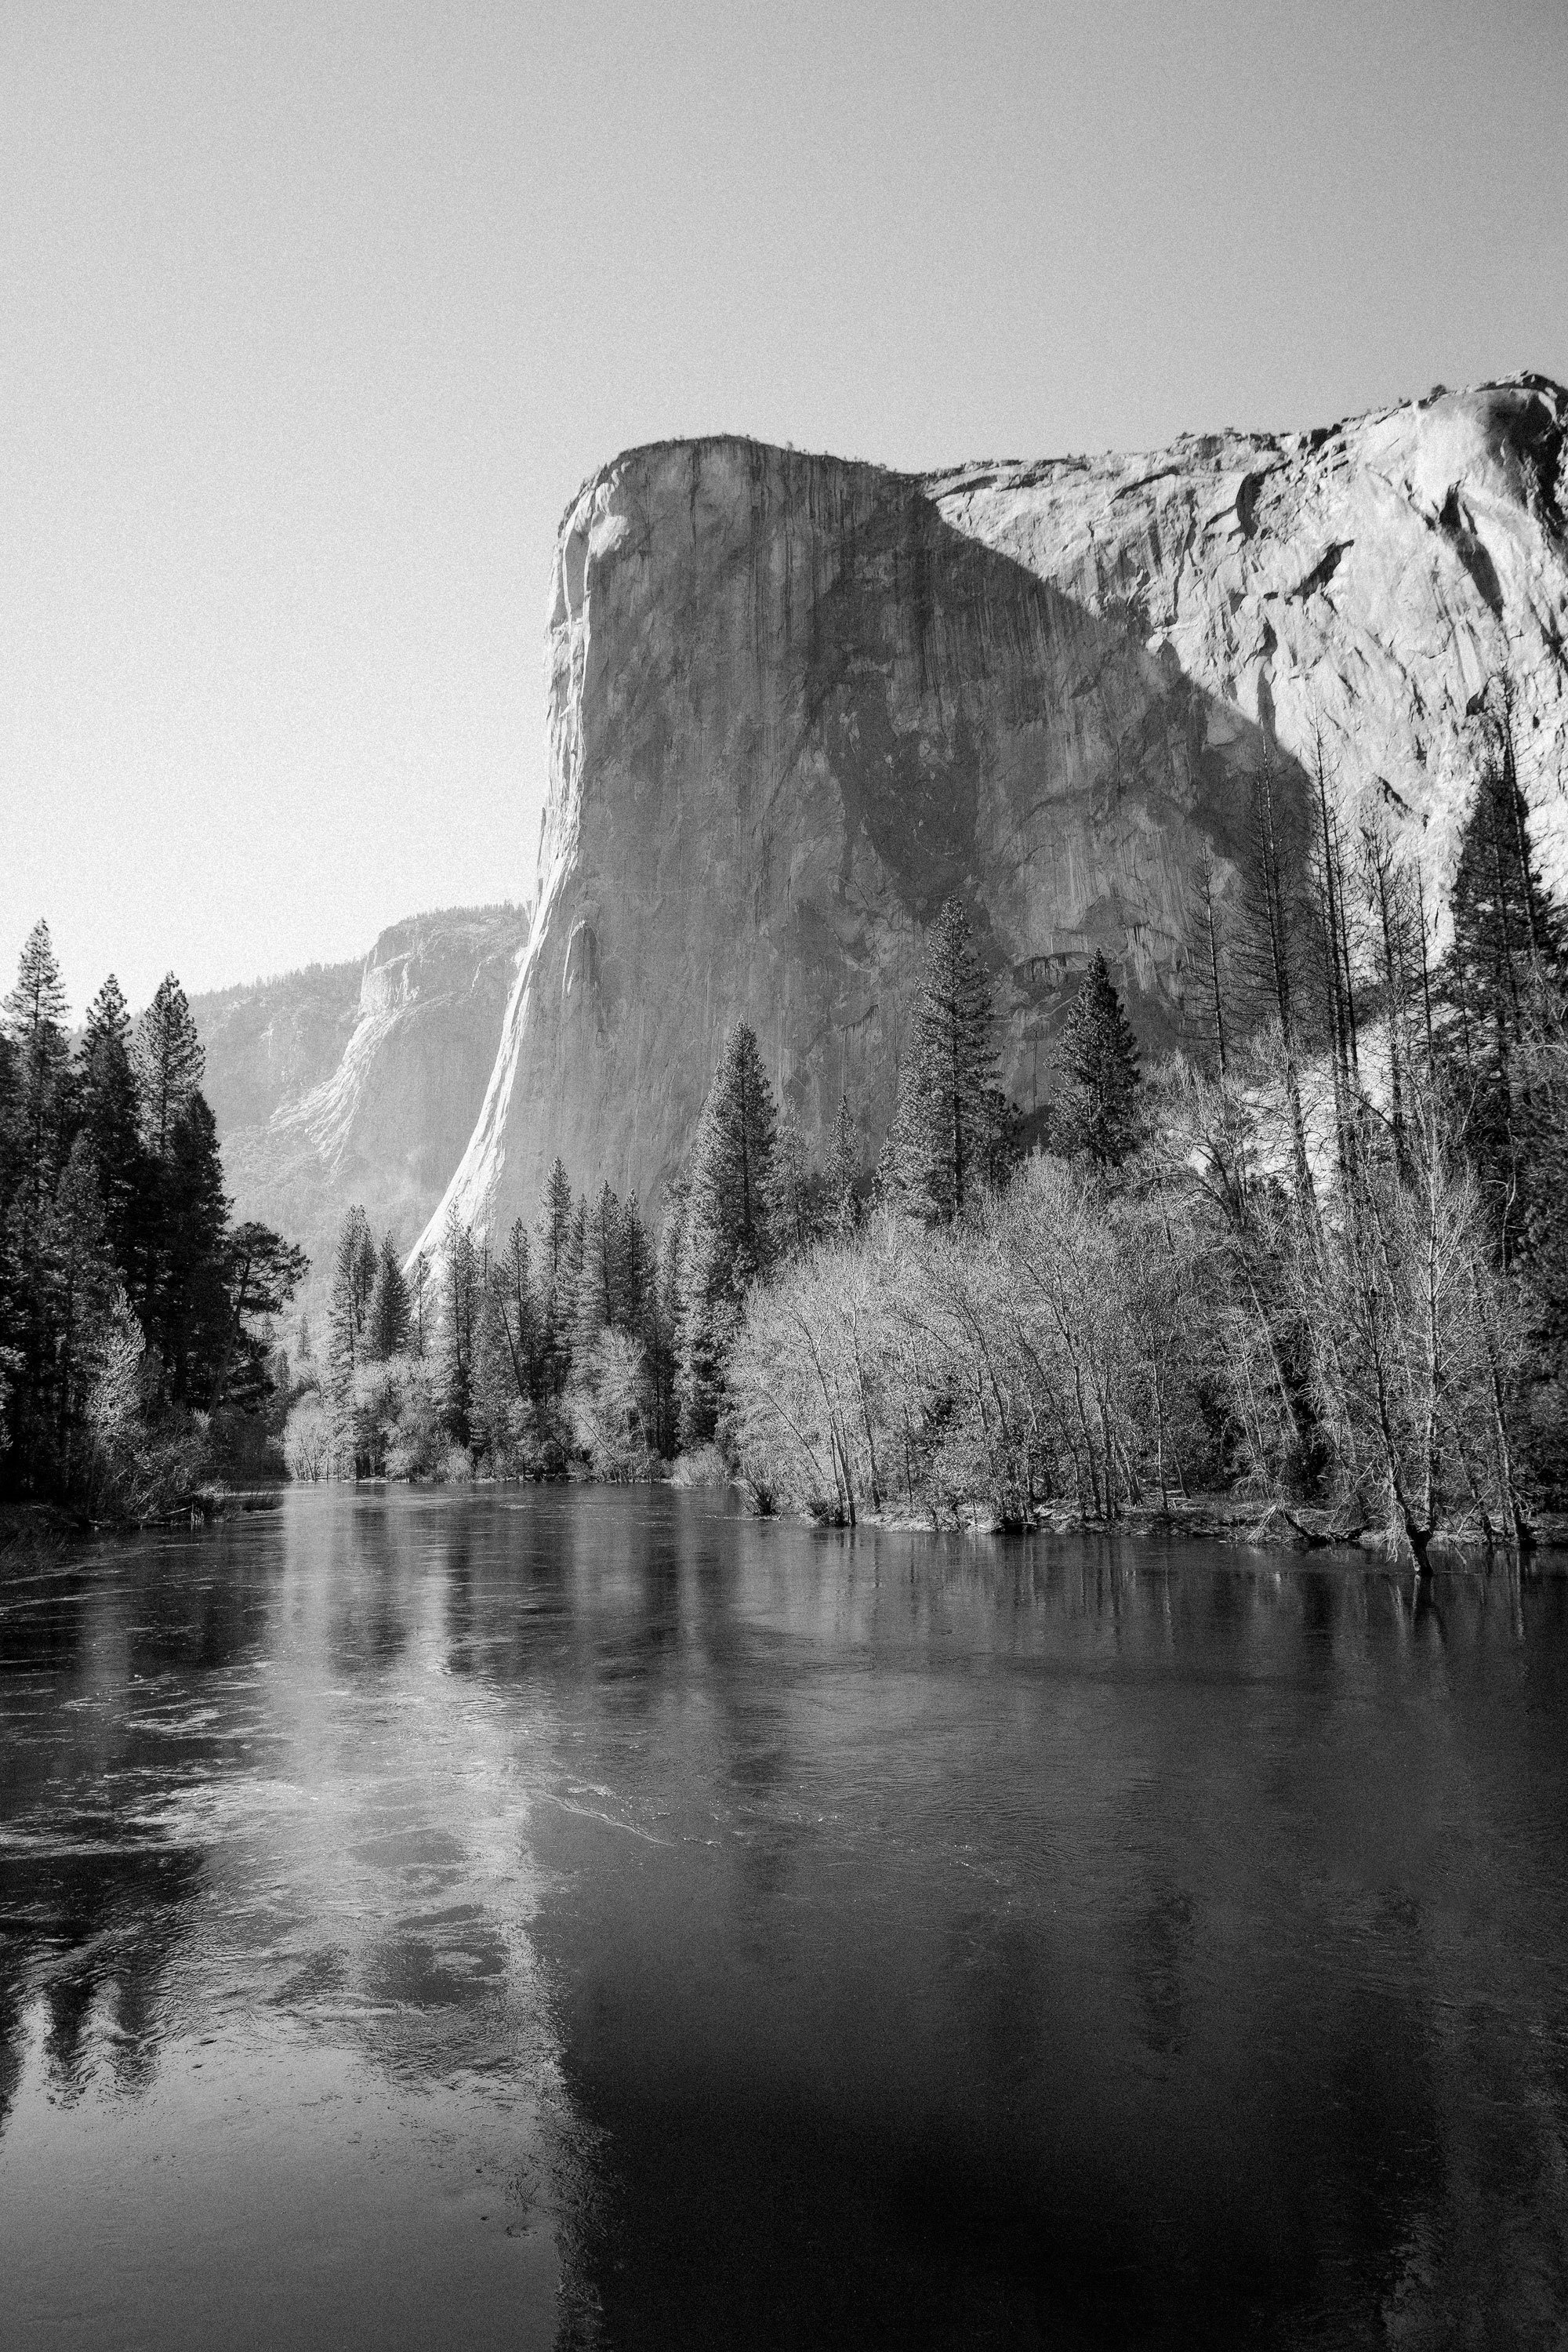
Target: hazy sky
313, 317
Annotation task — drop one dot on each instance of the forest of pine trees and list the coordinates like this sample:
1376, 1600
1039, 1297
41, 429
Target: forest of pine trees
135, 1315
559, 1347
1317, 1258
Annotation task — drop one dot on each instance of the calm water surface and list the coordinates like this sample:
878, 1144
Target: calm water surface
582, 1917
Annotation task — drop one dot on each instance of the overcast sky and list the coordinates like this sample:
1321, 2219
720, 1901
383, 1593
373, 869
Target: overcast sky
315, 316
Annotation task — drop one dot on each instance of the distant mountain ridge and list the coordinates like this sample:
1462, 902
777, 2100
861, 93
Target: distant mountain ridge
360, 1081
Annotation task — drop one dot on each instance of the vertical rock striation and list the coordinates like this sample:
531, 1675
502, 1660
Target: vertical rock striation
795, 702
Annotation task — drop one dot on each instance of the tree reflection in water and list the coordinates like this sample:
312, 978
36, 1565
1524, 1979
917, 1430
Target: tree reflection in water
577, 1915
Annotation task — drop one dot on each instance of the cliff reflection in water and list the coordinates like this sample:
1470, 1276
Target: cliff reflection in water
589, 1917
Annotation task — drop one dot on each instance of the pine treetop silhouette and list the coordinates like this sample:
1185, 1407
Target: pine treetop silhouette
1099, 1069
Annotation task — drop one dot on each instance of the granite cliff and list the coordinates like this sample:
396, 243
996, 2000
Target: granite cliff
360, 1081
793, 702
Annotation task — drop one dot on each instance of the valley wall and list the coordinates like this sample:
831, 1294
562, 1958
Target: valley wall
794, 702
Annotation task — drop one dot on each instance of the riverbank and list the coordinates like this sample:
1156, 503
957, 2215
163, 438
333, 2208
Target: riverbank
35, 1531
41, 1528
1246, 1522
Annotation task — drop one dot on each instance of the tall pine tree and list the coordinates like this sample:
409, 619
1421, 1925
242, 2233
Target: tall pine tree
520, 1315
935, 1160
386, 1329
189, 1320
664, 1325
555, 1294
1099, 1096
727, 1240
167, 1055
35, 1019
262, 1272
167, 1060
37, 1064
109, 1112
596, 1306
843, 1166
1500, 1004
636, 1272
460, 1303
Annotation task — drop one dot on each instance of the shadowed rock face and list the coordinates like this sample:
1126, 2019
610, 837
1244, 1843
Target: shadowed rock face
795, 702
362, 1081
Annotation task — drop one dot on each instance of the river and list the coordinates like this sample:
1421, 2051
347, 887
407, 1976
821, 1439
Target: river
580, 1916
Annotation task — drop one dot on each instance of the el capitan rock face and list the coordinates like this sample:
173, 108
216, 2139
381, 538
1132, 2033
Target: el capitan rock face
795, 702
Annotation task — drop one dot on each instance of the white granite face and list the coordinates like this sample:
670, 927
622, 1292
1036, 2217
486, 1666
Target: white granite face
793, 701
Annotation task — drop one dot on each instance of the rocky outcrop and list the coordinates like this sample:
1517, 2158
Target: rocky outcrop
795, 702
360, 1082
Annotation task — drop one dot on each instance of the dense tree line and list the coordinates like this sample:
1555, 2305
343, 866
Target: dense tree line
586, 1337
1319, 1255
512, 1362
135, 1315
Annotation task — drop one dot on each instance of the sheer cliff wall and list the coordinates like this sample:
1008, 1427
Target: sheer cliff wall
794, 702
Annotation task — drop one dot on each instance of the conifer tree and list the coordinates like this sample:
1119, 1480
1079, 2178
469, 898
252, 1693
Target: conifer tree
10, 1122
190, 1315
1501, 1003
1100, 1072
664, 1325
83, 1295
494, 1401
110, 1114
167, 1061
166, 1055
1277, 940
843, 1164
460, 1305
636, 1273
35, 1019
934, 1161
569, 1283
555, 1212
96, 1401
36, 1066
596, 1304
418, 1304
556, 1297
727, 1240
520, 1314
261, 1273
386, 1332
